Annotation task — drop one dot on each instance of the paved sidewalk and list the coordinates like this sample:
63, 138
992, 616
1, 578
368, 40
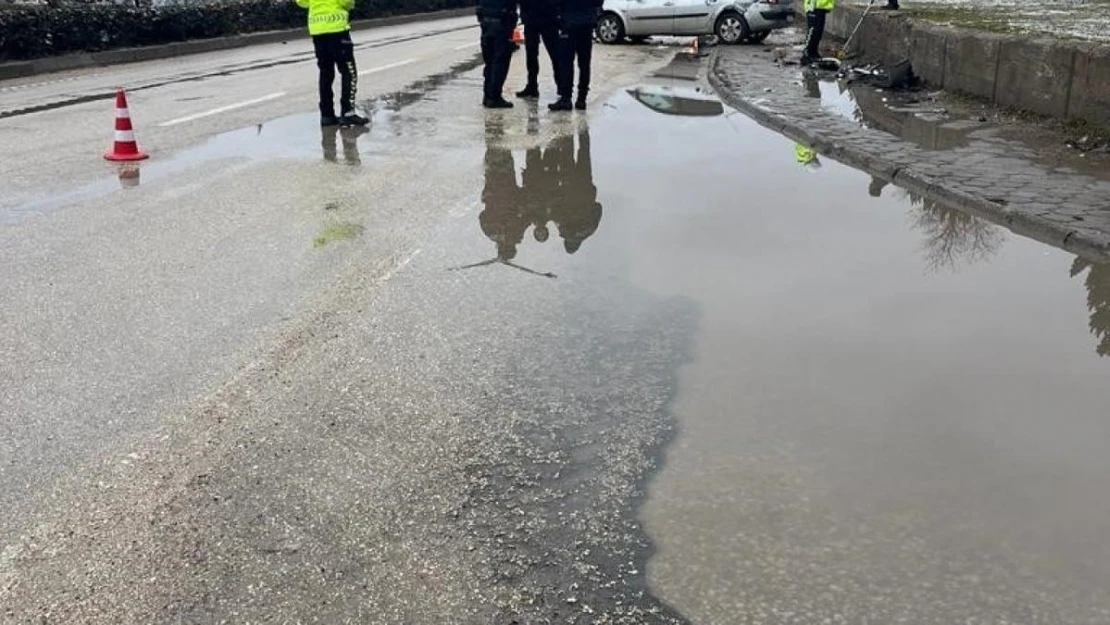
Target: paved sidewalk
999, 179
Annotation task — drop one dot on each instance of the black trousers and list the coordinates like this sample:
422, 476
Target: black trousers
336, 51
548, 33
576, 44
497, 51
816, 22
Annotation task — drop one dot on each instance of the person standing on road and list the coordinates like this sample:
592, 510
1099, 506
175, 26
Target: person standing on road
816, 12
497, 19
330, 27
539, 25
577, 20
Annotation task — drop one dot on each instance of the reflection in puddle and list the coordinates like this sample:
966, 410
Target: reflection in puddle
903, 114
677, 99
556, 187
350, 136
953, 239
129, 175
889, 397
286, 137
1098, 300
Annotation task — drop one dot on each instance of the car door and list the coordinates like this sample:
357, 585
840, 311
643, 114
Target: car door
694, 17
650, 17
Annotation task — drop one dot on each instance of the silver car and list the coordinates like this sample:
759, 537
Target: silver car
732, 21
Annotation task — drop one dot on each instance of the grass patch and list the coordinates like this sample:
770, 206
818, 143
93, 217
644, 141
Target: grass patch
337, 231
981, 18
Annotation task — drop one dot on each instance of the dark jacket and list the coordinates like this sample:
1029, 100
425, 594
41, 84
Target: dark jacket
497, 9
537, 12
578, 13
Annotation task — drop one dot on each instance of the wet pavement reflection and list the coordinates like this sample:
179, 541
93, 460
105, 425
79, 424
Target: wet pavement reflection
1097, 281
895, 411
905, 115
935, 121
892, 411
348, 137
556, 189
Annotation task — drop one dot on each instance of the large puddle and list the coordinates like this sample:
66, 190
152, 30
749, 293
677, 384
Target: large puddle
896, 412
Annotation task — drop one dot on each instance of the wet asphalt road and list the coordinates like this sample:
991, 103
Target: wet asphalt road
630, 367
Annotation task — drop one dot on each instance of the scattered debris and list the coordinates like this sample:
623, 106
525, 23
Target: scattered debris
1086, 144
897, 76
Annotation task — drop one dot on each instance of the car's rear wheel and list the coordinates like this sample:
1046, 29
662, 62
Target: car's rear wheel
758, 37
610, 29
731, 28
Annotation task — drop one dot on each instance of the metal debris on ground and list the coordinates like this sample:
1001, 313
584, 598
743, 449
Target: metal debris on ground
897, 76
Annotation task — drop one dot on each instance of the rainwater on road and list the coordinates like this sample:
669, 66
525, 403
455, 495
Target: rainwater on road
635, 367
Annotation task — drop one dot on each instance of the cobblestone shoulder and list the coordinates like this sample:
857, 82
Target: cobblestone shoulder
997, 181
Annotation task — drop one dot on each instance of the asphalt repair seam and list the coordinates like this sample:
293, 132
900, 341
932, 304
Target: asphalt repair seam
873, 151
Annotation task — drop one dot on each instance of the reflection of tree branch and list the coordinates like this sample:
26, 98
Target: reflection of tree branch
1098, 300
953, 238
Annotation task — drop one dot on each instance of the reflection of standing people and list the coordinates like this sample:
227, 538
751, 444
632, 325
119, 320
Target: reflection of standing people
539, 25
349, 137
538, 192
497, 19
329, 26
816, 12
812, 85
875, 189
577, 21
575, 208
806, 156
502, 219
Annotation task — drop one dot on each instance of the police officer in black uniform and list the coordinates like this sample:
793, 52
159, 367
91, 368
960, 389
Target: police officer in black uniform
577, 20
497, 19
539, 25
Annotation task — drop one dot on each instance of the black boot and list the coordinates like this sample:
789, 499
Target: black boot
531, 91
580, 103
353, 119
497, 103
562, 104
328, 121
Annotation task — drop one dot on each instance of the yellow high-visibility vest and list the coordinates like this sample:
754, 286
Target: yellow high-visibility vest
327, 16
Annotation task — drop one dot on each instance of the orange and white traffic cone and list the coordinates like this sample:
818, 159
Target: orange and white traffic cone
124, 148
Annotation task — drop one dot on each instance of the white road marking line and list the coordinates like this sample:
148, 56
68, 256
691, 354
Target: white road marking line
469, 45
222, 109
375, 70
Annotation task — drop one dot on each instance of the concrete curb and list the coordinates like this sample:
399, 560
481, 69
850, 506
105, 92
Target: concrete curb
1054, 77
23, 69
1089, 244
